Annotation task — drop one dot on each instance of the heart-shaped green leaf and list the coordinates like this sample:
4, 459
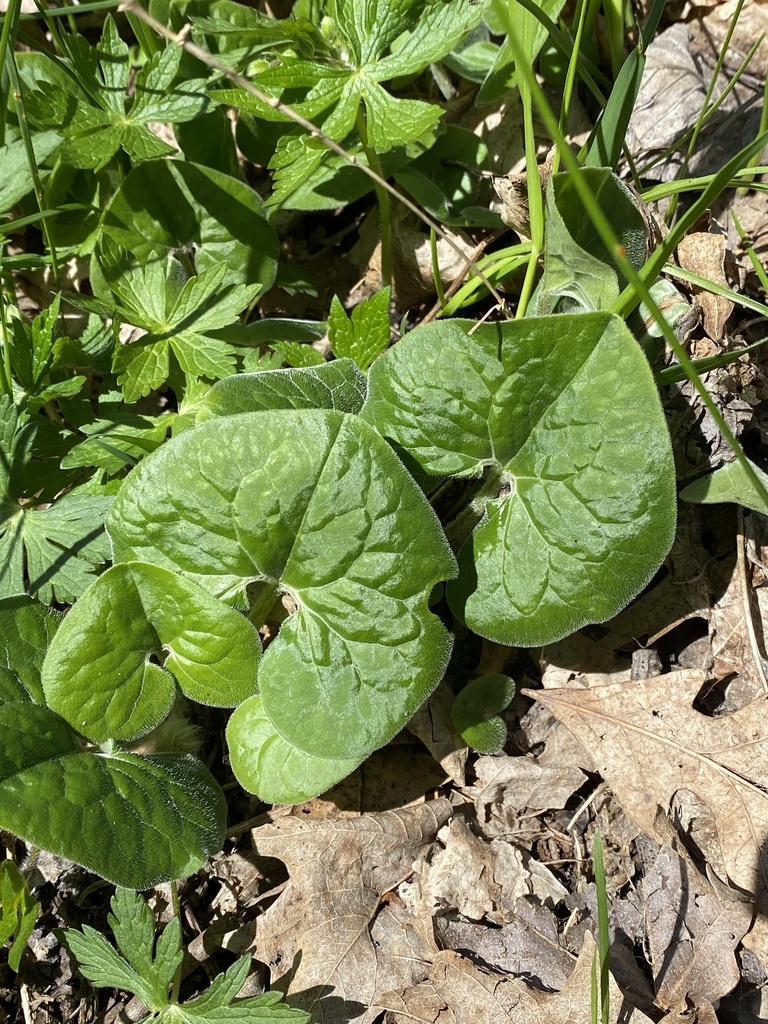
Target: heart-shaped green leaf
266, 764
314, 505
98, 674
563, 416
135, 820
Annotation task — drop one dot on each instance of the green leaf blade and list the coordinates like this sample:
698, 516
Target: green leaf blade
336, 385
98, 675
267, 764
584, 510
314, 503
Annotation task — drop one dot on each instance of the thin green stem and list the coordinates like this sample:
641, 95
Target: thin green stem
668, 188
6, 371
535, 203
265, 597
603, 927
439, 290
638, 287
382, 198
176, 985
614, 21
763, 127
26, 135
672, 374
53, 26
570, 78
7, 44
705, 106
757, 266
67, 12
460, 527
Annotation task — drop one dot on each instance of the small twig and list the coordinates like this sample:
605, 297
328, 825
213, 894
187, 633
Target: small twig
457, 282
584, 805
180, 38
741, 542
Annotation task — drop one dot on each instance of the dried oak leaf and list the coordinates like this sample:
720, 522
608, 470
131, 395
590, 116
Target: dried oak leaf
649, 743
458, 992
327, 933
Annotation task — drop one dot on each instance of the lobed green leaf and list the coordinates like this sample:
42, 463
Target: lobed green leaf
315, 505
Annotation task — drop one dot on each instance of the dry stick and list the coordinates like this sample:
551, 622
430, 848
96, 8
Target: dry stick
741, 542
457, 282
181, 40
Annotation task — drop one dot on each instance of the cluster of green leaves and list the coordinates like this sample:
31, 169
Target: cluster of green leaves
279, 488
283, 498
147, 968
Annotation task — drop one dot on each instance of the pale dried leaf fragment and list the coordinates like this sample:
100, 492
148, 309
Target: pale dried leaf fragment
459, 992
528, 946
319, 932
704, 253
505, 786
649, 743
732, 647
434, 726
692, 935
478, 879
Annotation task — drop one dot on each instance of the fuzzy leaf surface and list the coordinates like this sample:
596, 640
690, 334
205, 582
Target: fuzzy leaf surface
267, 764
336, 385
98, 674
726, 484
563, 415
134, 820
313, 503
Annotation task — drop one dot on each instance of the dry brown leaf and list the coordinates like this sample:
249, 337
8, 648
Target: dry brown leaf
704, 253
679, 66
649, 743
506, 786
692, 935
528, 946
732, 645
434, 726
578, 661
320, 932
477, 878
459, 992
